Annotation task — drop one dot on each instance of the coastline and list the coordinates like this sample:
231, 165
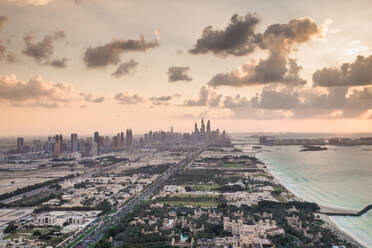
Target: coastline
342, 232
333, 225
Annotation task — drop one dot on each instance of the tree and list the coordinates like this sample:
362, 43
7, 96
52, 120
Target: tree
11, 228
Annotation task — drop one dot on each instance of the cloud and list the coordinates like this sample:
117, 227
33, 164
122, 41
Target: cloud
3, 20
59, 63
11, 58
98, 99
201, 100
238, 39
2, 52
177, 73
235, 102
279, 40
161, 100
276, 101
34, 92
125, 68
274, 97
43, 50
109, 54
206, 97
356, 73
89, 98
271, 70
30, 2
125, 98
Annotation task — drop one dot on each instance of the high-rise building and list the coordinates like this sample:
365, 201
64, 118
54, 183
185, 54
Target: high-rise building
202, 127
20, 144
36, 146
208, 129
129, 139
196, 130
122, 139
74, 142
96, 136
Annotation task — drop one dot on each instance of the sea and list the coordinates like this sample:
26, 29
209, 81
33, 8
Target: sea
340, 177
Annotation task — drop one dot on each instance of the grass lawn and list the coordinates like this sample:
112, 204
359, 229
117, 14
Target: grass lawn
229, 165
259, 175
280, 198
203, 187
196, 196
191, 203
11, 236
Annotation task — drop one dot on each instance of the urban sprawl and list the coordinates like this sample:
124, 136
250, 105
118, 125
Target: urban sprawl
163, 189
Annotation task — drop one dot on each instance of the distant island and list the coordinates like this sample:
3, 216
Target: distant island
308, 148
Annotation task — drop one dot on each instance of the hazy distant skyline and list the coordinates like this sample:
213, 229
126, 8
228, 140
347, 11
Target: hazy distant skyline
281, 66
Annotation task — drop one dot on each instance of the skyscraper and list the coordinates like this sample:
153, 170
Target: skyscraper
20, 144
96, 136
202, 127
129, 139
208, 129
74, 142
122, 139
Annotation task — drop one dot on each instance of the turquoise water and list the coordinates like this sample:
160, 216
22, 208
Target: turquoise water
339, 177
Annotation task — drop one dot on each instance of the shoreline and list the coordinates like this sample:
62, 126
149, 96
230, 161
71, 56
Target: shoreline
333, 225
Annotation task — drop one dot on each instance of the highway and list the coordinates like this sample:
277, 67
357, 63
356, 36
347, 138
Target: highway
128, 207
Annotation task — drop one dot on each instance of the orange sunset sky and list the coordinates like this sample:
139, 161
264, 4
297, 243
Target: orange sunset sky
247, 65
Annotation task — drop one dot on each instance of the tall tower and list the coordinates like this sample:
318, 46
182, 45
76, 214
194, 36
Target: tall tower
208, 129
202, 127
96, 136
122, 138
196, 130
20, 144
74, 142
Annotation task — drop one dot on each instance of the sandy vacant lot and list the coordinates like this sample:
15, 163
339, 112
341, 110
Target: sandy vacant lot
11, 180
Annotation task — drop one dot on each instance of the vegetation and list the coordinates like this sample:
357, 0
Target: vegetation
149, 169
33, 187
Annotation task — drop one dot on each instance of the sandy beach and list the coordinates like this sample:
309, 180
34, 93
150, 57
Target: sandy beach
341, 232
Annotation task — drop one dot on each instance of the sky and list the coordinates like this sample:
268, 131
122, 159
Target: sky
247, 65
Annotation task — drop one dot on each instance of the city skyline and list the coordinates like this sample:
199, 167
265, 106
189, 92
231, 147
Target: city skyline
248, 66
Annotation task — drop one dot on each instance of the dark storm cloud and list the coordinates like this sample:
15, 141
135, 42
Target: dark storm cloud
178, 73
278, 40
125, 68
43, 50
238, 39
126, 99
109, 54
349, 74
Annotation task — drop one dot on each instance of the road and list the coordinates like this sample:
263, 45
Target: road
128, 207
